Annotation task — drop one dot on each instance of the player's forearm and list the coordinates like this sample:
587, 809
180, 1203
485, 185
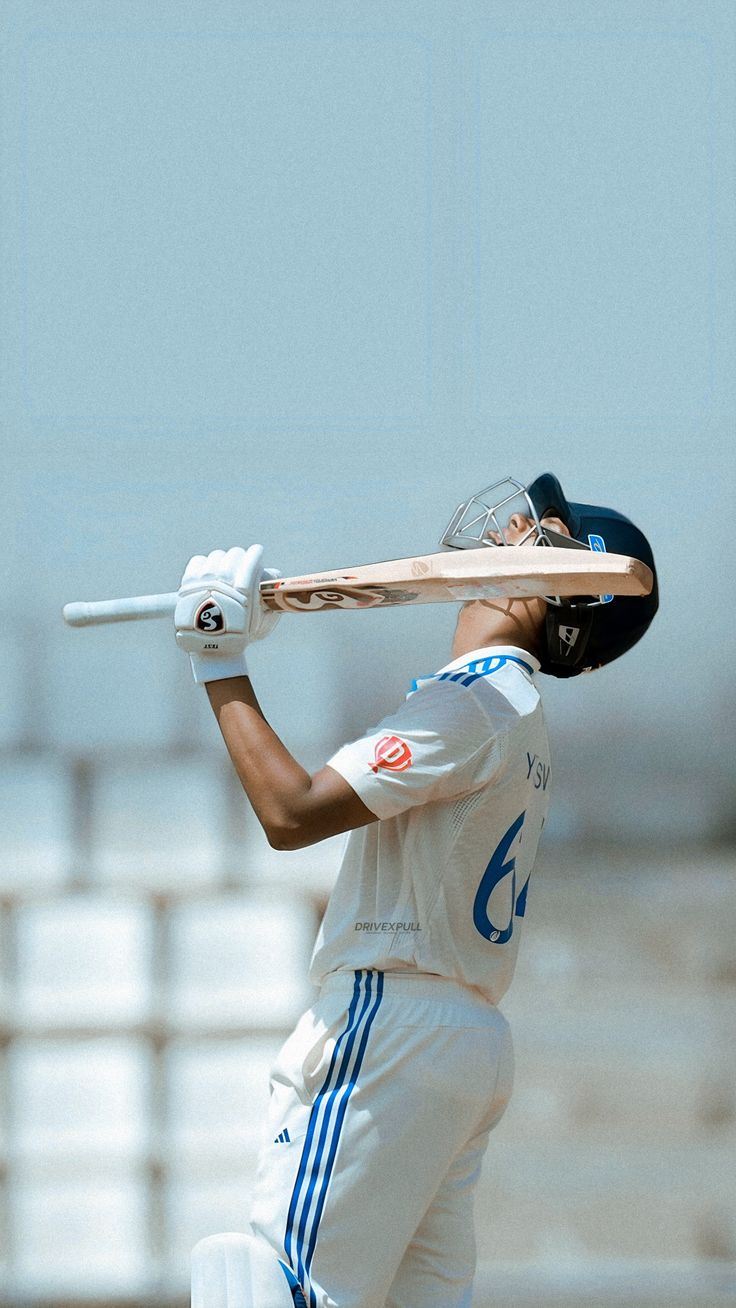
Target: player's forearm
277, 786
294, 808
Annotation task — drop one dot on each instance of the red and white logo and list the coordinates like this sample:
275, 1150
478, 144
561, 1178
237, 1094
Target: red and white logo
392, 753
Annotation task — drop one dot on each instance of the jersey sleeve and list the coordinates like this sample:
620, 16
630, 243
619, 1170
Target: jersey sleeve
438, 745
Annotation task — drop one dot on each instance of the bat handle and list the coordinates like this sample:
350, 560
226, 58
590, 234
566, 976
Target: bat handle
90, 614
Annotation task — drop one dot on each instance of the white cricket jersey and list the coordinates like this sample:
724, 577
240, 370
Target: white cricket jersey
459, 778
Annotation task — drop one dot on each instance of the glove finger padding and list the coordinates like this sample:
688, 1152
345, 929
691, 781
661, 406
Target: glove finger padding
197, 566
261, 621
244, 568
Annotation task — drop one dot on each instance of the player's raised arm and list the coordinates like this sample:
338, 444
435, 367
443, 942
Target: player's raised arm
218, 613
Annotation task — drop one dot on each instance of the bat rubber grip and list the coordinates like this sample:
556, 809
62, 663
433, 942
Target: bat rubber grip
82, 613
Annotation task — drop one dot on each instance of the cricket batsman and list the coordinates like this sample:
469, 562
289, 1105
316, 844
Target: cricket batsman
383, 1097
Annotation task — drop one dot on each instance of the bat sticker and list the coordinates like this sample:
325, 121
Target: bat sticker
345, 597
278, 582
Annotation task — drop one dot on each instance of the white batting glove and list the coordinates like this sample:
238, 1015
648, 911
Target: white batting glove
219, 612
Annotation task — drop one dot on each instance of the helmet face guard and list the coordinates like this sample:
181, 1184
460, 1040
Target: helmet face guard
484, 520
580, 633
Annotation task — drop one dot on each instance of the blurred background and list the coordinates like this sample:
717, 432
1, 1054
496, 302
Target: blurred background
310, 275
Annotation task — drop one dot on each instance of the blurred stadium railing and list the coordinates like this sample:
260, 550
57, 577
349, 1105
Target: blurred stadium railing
153, 955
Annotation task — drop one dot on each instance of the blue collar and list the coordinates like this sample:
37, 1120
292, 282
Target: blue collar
511, 654
481, 663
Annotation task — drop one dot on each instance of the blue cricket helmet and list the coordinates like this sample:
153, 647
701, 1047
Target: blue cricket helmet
581, 633
604, 630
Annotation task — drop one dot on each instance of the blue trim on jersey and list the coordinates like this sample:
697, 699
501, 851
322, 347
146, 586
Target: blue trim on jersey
314, 1177
474, 670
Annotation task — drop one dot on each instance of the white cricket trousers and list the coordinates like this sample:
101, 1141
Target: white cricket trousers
381, 1104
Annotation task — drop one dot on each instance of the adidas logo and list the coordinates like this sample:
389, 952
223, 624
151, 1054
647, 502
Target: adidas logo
283, 1138
569, 635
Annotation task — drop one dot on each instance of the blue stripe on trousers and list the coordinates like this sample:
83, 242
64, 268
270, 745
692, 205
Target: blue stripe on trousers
291, 1215
340, 1118
328, 1100
326, 1096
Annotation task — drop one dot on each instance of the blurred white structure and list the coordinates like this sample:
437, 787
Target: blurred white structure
154, 952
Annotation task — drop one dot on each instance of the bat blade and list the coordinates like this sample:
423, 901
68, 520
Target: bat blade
487, 573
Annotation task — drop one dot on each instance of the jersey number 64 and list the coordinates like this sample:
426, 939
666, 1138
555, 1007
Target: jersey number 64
500, 866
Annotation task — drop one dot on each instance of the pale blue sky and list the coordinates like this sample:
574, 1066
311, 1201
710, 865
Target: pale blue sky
312, 273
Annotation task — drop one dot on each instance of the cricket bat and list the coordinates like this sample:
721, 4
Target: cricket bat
514, 572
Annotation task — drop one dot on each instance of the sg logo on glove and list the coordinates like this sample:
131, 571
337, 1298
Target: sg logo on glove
219, 611
209, 617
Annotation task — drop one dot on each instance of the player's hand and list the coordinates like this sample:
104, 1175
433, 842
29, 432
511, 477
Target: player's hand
219, 612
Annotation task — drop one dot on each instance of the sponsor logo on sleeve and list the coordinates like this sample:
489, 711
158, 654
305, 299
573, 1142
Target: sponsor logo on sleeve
392, 753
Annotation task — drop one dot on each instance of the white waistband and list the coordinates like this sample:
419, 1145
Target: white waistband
408, 983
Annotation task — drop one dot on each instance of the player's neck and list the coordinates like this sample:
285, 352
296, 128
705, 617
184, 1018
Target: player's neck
484, 623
